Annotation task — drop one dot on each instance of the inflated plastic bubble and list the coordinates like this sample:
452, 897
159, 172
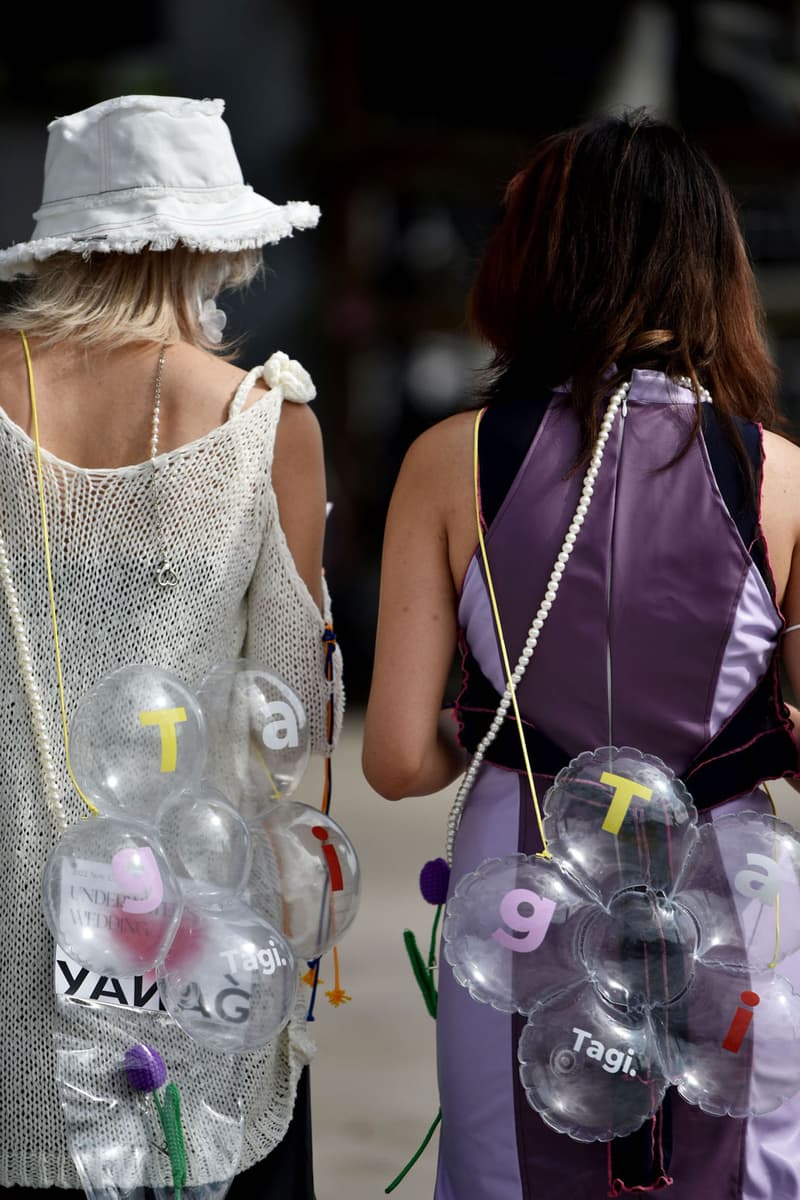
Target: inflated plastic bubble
617, 818
305, 876
588, 1070
207, 842
110, 897
742, 883
732, 1045
511, 931
123, 1118
640, 953
137, 738
229, 980
258, 735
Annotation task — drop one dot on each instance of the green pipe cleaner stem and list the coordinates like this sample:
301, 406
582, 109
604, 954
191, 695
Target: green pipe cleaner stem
432, 950
169, 1114
422, 973
399, 1178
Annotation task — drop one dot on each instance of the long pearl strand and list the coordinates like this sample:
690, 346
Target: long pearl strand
52, 789
556, 575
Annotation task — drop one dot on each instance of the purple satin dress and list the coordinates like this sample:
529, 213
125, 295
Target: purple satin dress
662, 628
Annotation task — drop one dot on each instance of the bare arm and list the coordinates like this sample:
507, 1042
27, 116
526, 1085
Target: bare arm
410, 746
298, 476
790, 651
780, 519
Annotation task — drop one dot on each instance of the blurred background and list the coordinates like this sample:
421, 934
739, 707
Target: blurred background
404, 123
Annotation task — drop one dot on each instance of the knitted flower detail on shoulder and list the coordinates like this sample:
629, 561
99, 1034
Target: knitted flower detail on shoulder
281, 371
642, 947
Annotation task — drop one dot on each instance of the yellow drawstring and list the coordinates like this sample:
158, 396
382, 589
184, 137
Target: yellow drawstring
544, 852
48, 565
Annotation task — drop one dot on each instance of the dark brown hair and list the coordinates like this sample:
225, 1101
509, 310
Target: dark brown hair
620, 247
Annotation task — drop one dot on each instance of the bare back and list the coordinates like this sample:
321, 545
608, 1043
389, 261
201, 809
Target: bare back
95, 410
95, 406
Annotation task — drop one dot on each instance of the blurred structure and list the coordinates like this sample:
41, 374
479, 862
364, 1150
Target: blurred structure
423, 119
404, 125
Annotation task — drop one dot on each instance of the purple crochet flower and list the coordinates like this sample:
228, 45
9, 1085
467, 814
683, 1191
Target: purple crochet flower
433, 881
145, 1068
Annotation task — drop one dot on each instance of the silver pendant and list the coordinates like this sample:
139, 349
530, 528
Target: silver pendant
166, 577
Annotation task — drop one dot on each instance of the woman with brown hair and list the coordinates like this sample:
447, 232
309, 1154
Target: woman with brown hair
617, 282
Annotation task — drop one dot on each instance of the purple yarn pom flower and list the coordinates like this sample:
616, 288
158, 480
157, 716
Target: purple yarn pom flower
145, 1068
433, 881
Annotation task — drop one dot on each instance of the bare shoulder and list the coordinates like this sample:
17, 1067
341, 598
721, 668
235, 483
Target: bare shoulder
299, 434
781, 487
780, 507
438, 457
781, 458
208, 380
211, 383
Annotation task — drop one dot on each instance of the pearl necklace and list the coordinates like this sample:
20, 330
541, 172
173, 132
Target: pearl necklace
42, 739
685, 382
618, 399
551, 591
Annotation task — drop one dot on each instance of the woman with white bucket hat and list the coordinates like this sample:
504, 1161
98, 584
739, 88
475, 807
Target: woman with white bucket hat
184, 516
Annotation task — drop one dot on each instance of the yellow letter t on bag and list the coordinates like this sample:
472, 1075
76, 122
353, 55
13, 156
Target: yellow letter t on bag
624, 791
167, 719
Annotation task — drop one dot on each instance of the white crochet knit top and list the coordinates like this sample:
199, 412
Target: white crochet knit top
239, 594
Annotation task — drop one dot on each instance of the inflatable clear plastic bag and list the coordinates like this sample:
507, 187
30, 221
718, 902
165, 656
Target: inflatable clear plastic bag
139, 1124
647, 950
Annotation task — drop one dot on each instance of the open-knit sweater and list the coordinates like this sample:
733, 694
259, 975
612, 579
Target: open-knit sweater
239, 593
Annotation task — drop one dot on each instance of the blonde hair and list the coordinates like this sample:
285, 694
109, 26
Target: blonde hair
154, 295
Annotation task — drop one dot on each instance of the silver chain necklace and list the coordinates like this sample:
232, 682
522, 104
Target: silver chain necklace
165, 574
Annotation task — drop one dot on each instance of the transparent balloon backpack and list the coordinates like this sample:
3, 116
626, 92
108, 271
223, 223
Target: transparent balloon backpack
645, 950
214, 896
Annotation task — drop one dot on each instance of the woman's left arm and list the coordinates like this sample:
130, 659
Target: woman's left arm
410, 745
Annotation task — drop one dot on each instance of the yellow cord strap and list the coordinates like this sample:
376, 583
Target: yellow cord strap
48, 565
544, 852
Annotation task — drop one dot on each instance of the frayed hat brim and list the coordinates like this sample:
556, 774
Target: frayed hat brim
159, 233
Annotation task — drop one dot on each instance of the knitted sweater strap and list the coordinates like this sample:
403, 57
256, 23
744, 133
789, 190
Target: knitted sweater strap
281, 374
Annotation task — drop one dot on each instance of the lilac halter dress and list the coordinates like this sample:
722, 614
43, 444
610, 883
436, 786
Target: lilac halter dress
663, 636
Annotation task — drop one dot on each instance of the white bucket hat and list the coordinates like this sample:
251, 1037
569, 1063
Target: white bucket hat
148, 171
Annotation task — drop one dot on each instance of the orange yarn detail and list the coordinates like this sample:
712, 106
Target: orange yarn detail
337, 995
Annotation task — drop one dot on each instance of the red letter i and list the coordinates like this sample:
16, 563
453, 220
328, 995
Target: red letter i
740, 1023
331, 857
